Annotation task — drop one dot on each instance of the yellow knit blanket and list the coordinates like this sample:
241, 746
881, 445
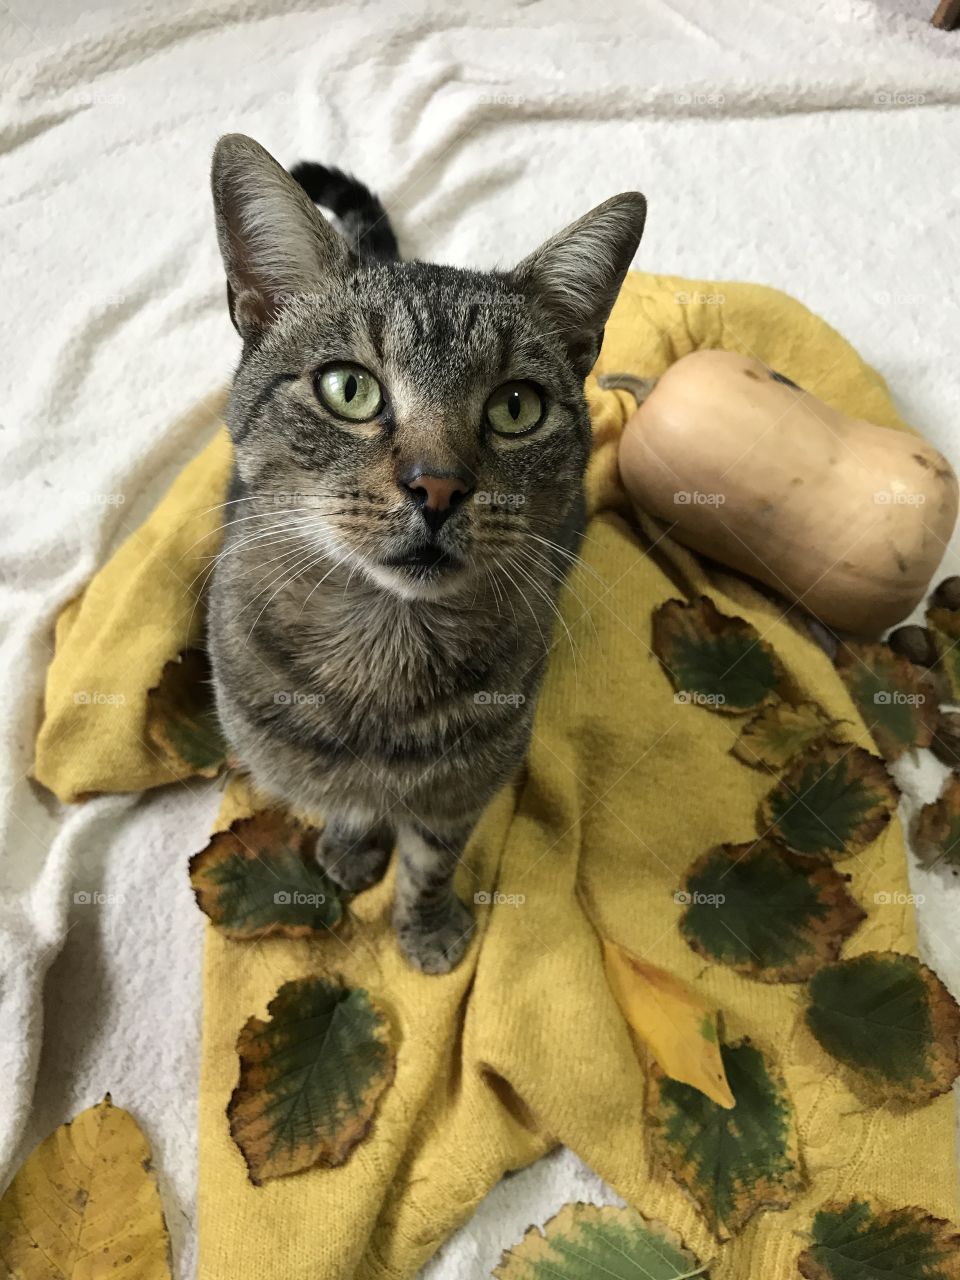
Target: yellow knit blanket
523, 1046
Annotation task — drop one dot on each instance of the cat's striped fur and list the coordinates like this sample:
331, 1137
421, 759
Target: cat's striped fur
395, 699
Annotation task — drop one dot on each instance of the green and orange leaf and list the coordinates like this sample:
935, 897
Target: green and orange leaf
897, 701
261, 877
892, 1022
936, 833
733, 1163
182, 720
714, 660
311, 1078
834, 801
587, 1241
780, 732
857, 1240
944, 625
676, 1025
770, 914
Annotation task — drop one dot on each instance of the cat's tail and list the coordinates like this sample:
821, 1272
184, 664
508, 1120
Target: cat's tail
361, 217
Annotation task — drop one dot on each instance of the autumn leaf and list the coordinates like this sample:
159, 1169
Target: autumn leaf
779, 732
834, 801
770, 914
890, 1020
181, 719
261, 877
678, 1028
856, 1240
897, 701
733, 1162
944, 625
936, 833
714, 660
311, 1078
945, 743
585, 1241
86, 1204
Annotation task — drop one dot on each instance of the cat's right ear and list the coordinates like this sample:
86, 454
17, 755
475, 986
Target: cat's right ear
273, 240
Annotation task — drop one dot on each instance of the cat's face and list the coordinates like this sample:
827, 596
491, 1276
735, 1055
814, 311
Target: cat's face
422, 425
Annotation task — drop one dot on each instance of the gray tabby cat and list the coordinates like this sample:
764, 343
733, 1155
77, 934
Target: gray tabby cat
410, 443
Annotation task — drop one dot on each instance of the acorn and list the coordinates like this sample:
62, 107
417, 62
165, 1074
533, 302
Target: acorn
947, 594
914, 643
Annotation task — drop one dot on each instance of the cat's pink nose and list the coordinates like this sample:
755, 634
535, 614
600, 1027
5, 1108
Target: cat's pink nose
438, 493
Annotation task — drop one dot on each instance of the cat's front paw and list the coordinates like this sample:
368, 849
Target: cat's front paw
352, 868
432, 945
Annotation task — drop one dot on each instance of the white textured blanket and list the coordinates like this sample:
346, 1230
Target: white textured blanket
808, 146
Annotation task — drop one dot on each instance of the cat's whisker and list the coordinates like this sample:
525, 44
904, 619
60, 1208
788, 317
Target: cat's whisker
301, 566
551, 604
336, 565
585, 611
570, 556
523, 597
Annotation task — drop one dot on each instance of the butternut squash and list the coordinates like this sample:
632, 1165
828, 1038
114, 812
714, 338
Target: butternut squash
839, 515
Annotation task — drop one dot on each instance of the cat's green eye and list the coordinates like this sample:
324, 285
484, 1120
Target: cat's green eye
514, 409
350, 391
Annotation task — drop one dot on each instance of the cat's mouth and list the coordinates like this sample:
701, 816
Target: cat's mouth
426, 570
426, 561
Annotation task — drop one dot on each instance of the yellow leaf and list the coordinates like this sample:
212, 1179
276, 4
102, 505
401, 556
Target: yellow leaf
86, 1205
678, 1028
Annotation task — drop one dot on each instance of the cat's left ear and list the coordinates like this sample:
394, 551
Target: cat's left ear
575, 276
